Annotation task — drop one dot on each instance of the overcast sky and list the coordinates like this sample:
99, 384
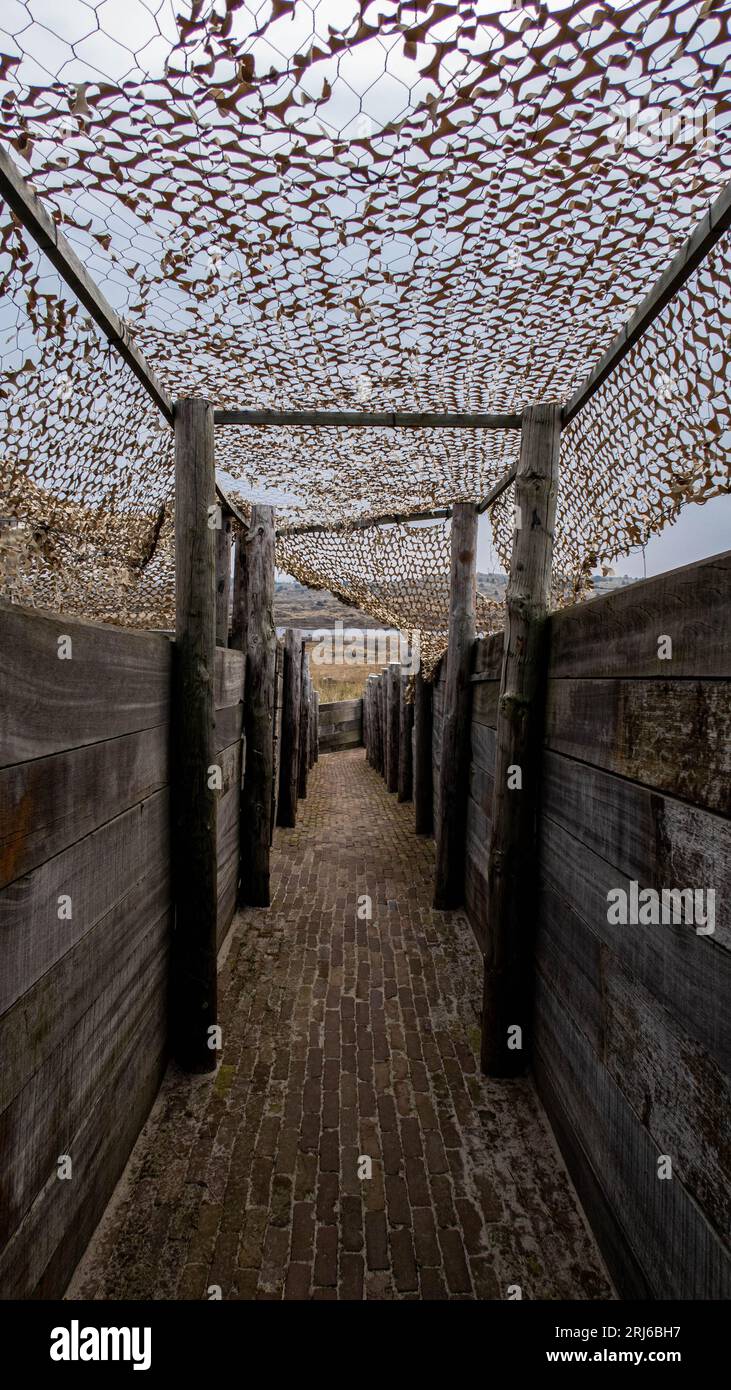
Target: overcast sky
699, 531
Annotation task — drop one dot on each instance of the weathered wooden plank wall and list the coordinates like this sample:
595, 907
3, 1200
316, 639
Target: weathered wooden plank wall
85, 912
340, 725
228, 699
632, 1034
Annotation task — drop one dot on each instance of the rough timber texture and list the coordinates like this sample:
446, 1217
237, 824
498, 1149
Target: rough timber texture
194, 799
340, 725
633, 1039
345, 1037
449, 824
257, 558
85, 815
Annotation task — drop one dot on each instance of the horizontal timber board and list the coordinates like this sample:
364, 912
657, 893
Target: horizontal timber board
484, 746
655, 839
228, 677
475, 894
40, 1019
40, 1122
333, 710
617, 634
115, 682
671, 1082
673, 1243
485, 697
49, 803
488, 656
689, 974
43, 1252
95, 873
333, 743
229, 723
674, 736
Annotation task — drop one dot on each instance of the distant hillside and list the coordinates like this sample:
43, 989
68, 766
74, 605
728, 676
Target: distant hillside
297, 606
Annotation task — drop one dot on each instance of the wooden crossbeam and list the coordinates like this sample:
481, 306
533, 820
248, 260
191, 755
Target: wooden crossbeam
709, 230
363, 523
367, 419
20, 197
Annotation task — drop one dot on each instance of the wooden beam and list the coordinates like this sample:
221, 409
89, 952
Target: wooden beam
290, 739
422, 771
223, 578
405, 751
709, 230
512, 850
497, 489
393, 689
455, 757
29, 210
363, 523
370, 419
193, 1000
257, 551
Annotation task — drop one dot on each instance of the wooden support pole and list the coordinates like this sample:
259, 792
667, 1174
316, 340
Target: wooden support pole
237, 637
304, 724
393, 695
317, 725
507, 994
405, 755
193, 997
276, 732
290, 740
454, 767
382, 712
223, 578
257, 556
422, 773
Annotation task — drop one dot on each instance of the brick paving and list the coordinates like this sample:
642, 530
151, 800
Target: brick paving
346, 1039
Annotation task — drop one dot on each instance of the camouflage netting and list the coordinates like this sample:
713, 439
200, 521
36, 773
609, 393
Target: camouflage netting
353, 205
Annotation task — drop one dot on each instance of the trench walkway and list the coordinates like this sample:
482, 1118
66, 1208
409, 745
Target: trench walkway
345, 1038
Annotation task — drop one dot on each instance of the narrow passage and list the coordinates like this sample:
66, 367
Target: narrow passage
344, 1039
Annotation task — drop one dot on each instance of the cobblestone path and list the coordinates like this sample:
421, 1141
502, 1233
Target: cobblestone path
346, 1038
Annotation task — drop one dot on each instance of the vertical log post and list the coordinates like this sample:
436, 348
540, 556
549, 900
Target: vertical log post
238, 604
290, 739
317, 725
257, 556
507, 993
393, 695
223, 578
382, 698
405, 754
304, 724
422, 773
276, 733
454, 767
193, 988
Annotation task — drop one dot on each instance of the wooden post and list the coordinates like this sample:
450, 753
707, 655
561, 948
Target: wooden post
312, 724
223, 578
405, 756
238, 604
383, 714
304, 725
454, 767
511, 862
290, 741
317, 725
193, 991
276, 733
257, 557
423, 755
393, 691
